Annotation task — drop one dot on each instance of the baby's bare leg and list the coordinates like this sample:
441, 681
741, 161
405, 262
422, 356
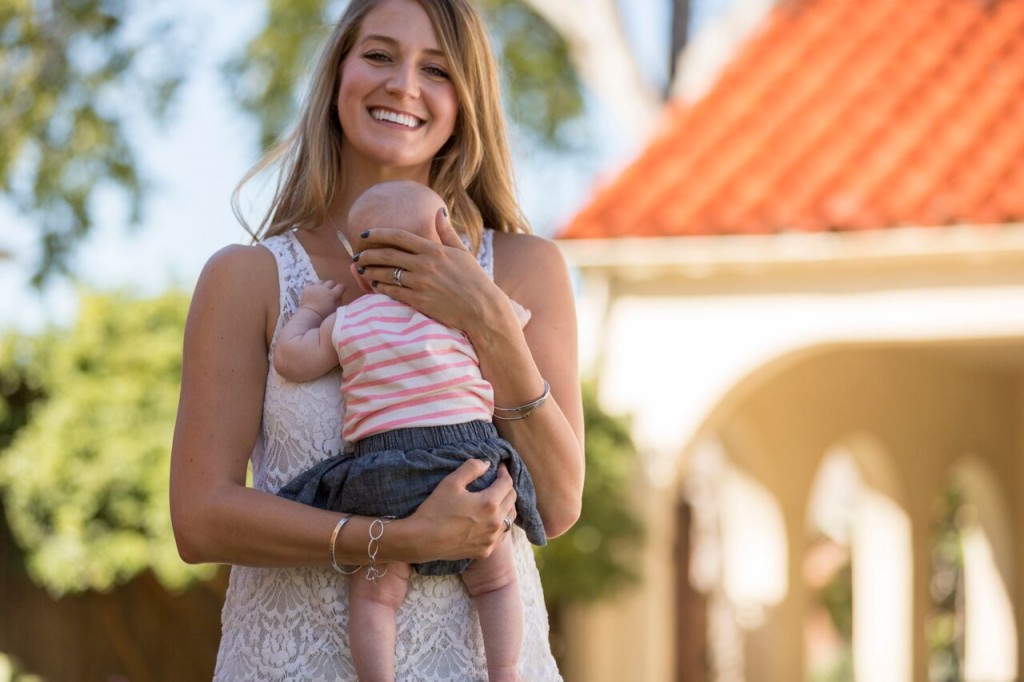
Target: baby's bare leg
371, 621
494, 586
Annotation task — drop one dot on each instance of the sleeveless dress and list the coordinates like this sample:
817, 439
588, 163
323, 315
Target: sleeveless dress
292, 623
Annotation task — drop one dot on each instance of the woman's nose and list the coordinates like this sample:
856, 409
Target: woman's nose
403, 81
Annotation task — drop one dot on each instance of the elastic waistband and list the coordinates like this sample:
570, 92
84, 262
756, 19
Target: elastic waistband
426, 437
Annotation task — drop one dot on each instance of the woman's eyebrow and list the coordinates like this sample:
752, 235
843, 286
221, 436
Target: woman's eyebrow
394, 42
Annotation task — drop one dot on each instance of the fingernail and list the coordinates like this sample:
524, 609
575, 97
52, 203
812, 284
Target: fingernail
360, 269
355, 258
444, 211
374, 284
364, 235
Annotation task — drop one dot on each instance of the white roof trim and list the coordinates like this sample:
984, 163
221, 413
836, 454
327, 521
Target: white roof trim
702, 255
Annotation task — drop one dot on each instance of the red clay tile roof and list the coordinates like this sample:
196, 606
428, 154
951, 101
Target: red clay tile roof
840, 115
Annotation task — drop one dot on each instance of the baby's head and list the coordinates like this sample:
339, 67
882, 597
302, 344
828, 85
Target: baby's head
401, 204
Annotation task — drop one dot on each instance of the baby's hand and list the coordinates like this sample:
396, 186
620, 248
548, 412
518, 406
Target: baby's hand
323, 298
522, 314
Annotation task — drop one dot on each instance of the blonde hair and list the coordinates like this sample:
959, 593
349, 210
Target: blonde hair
472, 172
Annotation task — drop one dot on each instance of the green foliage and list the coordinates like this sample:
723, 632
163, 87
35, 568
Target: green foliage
11, 671
542, 89
89, 413
595, 558
265, 77
944, 627
66, 69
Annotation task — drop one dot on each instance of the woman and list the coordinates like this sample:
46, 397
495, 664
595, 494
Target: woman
405, 89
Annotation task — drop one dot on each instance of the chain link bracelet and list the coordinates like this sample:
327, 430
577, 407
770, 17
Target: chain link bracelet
376, 533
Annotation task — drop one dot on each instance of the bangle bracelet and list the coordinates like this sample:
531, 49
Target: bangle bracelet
524, 411
334, 539
376, 533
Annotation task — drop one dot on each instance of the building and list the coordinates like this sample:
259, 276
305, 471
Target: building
808, 293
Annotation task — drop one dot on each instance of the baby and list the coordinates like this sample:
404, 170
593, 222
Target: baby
416, 407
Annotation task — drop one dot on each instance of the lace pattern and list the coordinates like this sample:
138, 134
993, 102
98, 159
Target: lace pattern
292, 624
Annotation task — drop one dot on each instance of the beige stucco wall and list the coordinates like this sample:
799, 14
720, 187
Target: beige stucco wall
925, 405
775, 349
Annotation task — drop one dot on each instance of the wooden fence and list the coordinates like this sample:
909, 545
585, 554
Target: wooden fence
138, 632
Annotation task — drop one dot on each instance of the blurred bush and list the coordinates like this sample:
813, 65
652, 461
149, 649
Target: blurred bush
595, 558
86, 419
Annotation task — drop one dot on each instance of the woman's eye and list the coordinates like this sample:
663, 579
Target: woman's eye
376, 56
436, 71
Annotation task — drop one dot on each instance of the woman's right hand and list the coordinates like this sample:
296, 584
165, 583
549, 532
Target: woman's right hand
454, 523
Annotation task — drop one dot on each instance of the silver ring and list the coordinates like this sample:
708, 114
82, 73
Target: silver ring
396, 277
508, 524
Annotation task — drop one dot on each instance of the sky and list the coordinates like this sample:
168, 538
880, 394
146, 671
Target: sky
193, 163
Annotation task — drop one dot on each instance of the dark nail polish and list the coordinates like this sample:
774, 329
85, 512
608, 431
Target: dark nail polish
444, 211
361, 269
364, 235
355, 258
374, 284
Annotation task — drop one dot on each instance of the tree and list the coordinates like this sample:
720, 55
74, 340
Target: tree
86, 417
590, 562
600, 53
66, 69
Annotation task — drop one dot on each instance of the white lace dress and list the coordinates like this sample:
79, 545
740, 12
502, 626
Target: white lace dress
292, 623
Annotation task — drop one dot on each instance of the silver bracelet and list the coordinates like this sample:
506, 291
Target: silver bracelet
334, 539
376, 533
524, 411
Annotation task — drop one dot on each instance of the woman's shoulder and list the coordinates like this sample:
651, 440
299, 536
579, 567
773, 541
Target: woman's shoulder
237, 292
240, 274
239, 261
525, 255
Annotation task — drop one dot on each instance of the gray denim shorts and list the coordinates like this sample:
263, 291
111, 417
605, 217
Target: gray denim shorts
392, 473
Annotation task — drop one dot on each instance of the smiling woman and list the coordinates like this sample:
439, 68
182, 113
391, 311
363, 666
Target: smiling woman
395, 100
404, 90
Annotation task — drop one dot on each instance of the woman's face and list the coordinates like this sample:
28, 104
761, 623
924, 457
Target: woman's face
396, 104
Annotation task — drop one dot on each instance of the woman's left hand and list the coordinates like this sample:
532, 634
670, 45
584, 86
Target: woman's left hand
441, 280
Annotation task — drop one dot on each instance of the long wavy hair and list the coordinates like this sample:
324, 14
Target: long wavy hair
472, 171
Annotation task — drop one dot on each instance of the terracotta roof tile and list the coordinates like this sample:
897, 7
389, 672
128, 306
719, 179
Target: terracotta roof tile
839, 115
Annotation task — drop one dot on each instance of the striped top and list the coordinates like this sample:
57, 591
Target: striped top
401, 369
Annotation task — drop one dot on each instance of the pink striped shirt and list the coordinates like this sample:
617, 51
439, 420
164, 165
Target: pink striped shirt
402, 369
